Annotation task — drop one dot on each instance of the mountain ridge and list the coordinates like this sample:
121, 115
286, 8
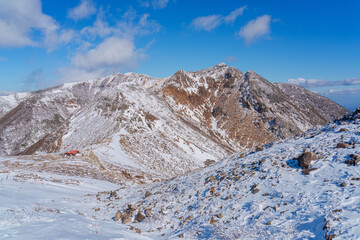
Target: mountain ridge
171, 125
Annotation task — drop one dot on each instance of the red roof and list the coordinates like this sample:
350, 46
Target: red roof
73, 152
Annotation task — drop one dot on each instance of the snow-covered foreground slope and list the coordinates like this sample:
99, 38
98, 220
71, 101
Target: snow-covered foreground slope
43, 206
254, 195
262, 195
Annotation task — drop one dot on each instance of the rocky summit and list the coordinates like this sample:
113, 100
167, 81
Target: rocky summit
168, 126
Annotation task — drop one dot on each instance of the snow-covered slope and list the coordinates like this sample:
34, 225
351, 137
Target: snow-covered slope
261, 195
313, 104
55, 207
252, 195
9, 102
169, 126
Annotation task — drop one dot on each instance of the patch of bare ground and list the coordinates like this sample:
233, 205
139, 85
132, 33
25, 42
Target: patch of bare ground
88, 165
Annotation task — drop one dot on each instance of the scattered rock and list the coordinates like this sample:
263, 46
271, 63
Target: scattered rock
125, 219
97, 209
354, 160
139, 217
148, 194
212, 220
209, 162
137, 230
337, 210
305, 159
181, 236
113, 194
330, 237
255, 191
148, 212
344, 130
211, 179
268, 223
259, 148
343, 184
132, 207
342, 145
130, 212
117, 216
219, 215
327, 225
307, 171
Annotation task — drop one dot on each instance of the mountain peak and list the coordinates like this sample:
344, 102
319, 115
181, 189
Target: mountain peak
221, 65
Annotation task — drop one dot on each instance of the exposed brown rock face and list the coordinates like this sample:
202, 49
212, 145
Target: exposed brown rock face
246, 110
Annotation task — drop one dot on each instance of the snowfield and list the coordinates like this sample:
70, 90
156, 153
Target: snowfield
250, 195
43, 206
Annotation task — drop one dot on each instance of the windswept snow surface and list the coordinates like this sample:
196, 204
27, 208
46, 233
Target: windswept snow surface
44, 206
288, 205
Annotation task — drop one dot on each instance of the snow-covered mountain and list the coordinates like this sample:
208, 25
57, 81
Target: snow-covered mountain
248, 195
168, 126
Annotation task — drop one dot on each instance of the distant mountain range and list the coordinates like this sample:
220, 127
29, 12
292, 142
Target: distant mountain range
169, 126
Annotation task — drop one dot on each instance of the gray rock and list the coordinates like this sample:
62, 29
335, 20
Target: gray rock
148, 212
125, 219
342, 145
132, 207
139, 217
305, 159
209, 162
117, 216
148, 194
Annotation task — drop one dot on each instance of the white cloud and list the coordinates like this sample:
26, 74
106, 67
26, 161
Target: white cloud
22, 23
347, 91
234, 14
116, 53
73, 74
112, 55
111, 52
84, 10
308, 82
133, 25
211, 22
207, 23
35, 80
156, 4
100, 27
159, 4
230, 59
351, 81
323, 83
256, 28
130, 25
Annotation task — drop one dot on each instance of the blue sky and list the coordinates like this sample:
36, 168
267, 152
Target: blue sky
315, 44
